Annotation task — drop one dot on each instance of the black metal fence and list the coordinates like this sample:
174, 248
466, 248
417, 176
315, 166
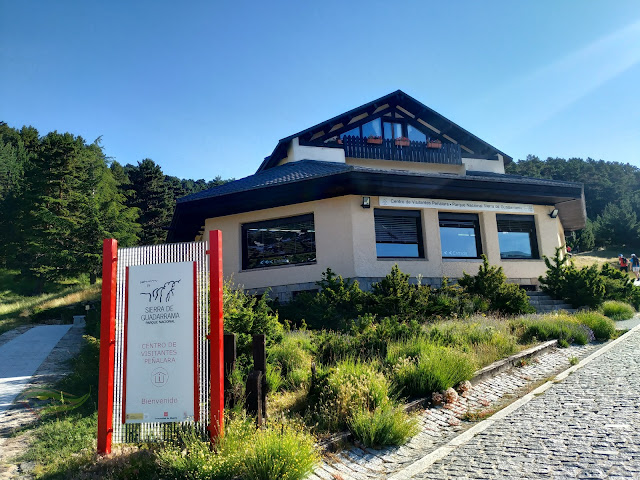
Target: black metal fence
358, 147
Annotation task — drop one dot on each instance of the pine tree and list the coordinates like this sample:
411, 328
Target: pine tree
152, 199
617, 225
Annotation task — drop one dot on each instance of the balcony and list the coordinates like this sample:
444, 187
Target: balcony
358, 147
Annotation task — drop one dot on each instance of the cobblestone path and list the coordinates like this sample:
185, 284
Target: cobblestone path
586, 426
441, 424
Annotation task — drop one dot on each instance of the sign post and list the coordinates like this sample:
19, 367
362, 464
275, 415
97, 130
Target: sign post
107, 344
216, 336
153, 340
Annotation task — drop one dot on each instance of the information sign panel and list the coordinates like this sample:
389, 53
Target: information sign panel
159, 343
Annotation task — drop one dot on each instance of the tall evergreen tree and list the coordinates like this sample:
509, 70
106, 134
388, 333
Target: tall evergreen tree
617, 225
153, 200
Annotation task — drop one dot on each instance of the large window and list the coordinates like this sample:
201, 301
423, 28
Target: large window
517, 236
460, 235
398, 234
283, 241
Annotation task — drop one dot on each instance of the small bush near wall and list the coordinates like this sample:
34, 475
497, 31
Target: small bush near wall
491, 283
589, 286
247, 315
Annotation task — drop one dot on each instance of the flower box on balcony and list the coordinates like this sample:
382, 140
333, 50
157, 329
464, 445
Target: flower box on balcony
375, 140
402, 142
434, 144
339, 141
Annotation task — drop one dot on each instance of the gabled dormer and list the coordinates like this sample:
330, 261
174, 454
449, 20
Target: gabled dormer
394, 132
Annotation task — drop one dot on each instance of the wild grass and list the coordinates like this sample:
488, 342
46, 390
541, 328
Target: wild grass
487, 338
62, 446
603, 328
419, 367
344, 389
284, 451
560, 326
386, 425
290, 362
280, 450
617, 310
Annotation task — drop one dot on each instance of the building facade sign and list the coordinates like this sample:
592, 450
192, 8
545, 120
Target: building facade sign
455, 205
159, 343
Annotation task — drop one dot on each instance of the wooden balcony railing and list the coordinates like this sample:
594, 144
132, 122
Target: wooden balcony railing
358, 147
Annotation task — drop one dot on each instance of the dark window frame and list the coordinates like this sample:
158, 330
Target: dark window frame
519, 224
414, 214
405, 122
275, 222
461, 220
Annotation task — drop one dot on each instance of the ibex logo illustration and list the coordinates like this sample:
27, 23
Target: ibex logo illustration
163, 293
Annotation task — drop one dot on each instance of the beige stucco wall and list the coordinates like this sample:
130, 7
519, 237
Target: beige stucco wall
298, 152
407, 166
483, 165
433, 265
345, 242
334, 244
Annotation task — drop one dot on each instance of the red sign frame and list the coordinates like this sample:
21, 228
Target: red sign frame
107, 342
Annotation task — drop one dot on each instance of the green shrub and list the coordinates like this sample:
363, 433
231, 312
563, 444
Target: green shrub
579, 287
617, 310
346, 388
394, 296
247, 315
585, 287
491, 283
368, 339
386, 425
293, 361
603, 328
281, 451
338, 301
419, 367
278, 450
617, 284
634, 297
558, 326
191, 456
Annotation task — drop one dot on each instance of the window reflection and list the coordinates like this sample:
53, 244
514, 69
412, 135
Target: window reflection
415, 135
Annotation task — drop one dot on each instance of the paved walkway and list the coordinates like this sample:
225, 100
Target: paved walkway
445, 429
21, 357
441, 425
585, 426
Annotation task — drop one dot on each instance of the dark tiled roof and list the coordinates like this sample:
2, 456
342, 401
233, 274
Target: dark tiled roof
310, 169
287, 173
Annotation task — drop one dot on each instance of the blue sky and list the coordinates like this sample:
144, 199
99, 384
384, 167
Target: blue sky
208, 88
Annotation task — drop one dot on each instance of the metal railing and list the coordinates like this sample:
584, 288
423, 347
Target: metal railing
358, 147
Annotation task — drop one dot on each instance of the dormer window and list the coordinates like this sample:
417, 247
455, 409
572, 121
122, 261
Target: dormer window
415, 135
392, 130
388, 127
369, 129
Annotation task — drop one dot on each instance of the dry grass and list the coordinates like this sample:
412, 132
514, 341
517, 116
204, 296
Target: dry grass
600, 257
16, 312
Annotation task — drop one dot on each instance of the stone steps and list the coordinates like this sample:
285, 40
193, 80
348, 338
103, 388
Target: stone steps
543, 303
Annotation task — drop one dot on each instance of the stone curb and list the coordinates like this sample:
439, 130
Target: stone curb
331, 443
506, 363
429, 459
